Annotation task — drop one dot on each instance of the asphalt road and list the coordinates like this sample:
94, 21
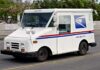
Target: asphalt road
70, 61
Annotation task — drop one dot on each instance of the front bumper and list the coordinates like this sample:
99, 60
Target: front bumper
92, 44
28, 54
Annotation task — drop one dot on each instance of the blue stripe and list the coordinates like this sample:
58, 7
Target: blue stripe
64, 35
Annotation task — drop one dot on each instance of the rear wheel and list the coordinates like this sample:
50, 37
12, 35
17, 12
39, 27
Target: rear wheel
42, 54
83, 48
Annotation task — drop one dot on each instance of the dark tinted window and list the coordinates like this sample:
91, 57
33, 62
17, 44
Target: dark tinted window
35, 19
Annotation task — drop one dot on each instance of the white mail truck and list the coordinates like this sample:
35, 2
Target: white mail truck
47, 32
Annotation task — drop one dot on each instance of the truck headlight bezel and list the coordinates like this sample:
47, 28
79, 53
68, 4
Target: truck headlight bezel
22, 44
8, 44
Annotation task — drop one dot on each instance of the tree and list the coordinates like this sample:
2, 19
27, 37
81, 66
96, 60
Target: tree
4, 7
9, 8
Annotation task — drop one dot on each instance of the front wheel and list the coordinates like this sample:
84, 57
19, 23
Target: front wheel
42, 54
83, 48
17, 57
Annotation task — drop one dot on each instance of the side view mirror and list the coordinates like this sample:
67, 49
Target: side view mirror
19, 24
55, 25
18, 18
54, 18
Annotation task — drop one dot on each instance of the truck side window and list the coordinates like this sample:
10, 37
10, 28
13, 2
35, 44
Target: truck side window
62, 28
51, 23
64, 23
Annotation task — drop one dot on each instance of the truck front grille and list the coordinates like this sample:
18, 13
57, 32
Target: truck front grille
15, 45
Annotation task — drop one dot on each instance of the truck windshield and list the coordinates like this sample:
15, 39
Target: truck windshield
35, 19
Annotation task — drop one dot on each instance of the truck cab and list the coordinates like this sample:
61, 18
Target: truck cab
46, 32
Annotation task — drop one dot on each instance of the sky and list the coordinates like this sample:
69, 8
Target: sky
98, 0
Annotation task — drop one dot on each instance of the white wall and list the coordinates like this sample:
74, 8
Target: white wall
29, 1
6, 29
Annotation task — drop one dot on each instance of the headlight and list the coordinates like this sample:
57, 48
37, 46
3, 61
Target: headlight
22, 44
8, 44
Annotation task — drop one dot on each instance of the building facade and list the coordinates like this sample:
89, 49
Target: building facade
25, 1
17, 1
31, 1
22, 1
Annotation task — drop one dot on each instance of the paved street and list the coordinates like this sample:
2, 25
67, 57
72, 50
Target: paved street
71, 61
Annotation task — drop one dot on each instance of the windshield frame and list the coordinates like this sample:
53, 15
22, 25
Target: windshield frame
51, 17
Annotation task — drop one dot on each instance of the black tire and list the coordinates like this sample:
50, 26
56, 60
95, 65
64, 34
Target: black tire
42, 54
83, 48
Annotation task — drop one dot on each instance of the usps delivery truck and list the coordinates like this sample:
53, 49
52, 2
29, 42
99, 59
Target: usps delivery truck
47, 32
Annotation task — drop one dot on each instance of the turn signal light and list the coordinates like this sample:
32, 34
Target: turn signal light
22, 50
35, 42
8, 48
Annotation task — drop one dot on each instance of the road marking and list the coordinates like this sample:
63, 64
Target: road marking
53, 62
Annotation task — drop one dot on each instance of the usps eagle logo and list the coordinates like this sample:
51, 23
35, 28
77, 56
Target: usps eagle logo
80, 21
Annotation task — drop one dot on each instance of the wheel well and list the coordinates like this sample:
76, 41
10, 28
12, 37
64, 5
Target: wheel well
86, 42
48, 49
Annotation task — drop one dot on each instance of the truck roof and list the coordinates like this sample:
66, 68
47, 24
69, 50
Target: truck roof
56, 10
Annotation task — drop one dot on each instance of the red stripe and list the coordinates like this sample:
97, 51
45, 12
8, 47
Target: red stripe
67, 33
